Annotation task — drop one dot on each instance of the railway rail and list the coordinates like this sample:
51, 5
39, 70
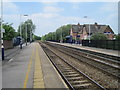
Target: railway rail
74, 78
108, 66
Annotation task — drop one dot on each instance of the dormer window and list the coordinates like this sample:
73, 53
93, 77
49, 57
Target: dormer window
107, 32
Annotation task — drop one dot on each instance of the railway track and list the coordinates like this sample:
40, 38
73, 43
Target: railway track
74, 78
109, 66
115, 59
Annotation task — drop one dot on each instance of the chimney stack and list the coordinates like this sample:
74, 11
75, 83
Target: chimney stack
78, 24
96, 26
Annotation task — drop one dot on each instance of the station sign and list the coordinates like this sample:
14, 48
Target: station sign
3, 30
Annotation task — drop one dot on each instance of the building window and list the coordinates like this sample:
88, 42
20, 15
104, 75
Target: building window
107, 32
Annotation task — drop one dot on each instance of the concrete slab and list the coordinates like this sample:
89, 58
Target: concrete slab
14, 71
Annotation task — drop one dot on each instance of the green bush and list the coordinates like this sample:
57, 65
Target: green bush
99, 36
117, 37
9, 32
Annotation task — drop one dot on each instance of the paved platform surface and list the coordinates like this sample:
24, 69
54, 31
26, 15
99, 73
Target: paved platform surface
9, 53
30, 68
104, 51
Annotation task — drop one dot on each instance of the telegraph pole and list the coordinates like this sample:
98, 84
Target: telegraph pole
2, 46
89, 33
89, 29
26, 34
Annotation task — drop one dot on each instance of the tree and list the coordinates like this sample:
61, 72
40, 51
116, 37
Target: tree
9, 32
99, 36
29, 26
117, 37
56, 36
37, 37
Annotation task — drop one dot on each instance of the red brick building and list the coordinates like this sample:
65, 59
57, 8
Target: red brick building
81, 32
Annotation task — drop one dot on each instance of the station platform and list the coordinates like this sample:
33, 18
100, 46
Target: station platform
9, 53
31, 68
99, 50
52, 79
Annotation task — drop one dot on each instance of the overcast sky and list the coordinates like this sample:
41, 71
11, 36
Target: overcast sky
48, 16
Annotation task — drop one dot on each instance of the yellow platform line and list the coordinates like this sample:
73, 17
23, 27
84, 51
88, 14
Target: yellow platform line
28, 70
38, 76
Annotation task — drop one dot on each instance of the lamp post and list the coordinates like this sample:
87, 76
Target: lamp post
26, 30
2, 46
89, 33
21, 31
20, 34
89, 30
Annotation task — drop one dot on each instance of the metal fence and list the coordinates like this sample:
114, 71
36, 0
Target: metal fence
106, 44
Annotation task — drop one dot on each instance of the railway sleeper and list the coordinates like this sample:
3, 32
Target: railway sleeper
68, 70
79, 82
83, 86
72, 75
74, 78
71, 72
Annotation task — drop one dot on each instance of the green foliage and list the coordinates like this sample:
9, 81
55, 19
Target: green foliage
37, 37
117, 37
9, 32
99, 36
61, 32
27, 25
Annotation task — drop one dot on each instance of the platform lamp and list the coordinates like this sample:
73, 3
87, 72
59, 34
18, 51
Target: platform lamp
21, 31
26, 30
89, 29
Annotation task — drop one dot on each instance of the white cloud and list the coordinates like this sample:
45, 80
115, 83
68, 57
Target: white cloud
52, 9
44, 15
49, 3
49, 20
110, 10
45, 24
75, 6
110, 7
13, 18
11, 13
62, 0
9, 7
112, 20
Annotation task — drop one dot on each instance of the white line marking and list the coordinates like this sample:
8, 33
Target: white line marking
10, 60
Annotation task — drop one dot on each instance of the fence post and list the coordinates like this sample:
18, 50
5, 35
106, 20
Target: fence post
106, 43
113, 44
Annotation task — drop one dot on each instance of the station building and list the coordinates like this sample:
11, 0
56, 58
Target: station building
81, 32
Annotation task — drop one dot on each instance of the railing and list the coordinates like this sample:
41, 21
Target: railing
106, 44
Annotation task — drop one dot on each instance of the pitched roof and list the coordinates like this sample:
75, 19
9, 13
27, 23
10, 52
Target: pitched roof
93, 28
76, 28
102, 28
